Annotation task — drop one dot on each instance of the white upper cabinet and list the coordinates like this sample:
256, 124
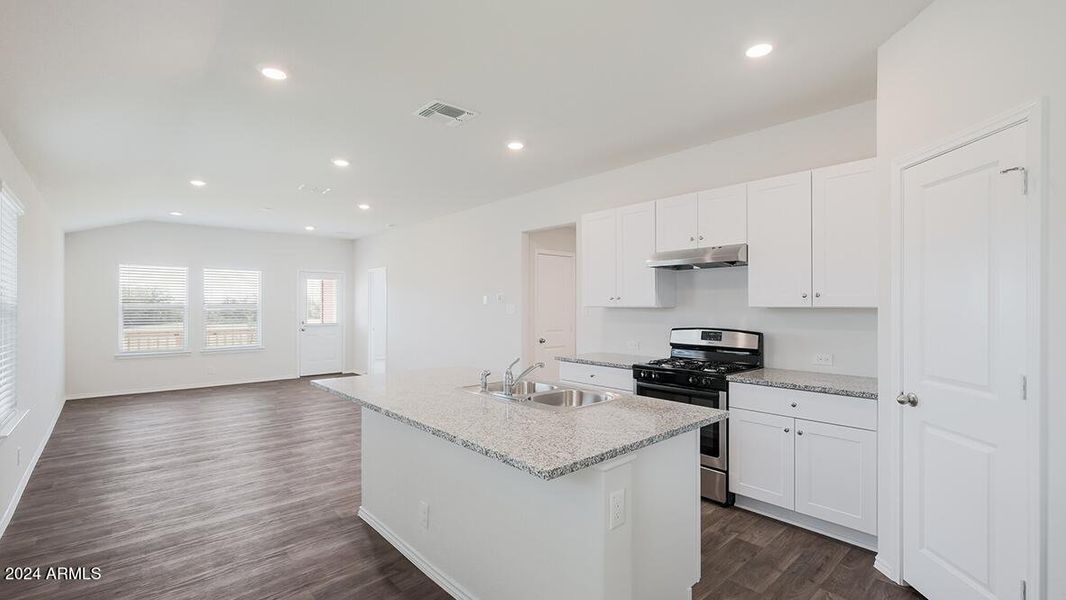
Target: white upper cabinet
709, 218
599, 258
615, 247
779, 241
676, 223
722, 216
844, 236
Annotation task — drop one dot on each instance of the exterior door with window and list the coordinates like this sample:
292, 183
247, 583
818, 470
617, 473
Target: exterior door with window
321, 324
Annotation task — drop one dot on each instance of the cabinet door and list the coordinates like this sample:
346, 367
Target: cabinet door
636, 244
779, 241
675, 223
599, 258
844, 235
762, 457
836, 474
723, 216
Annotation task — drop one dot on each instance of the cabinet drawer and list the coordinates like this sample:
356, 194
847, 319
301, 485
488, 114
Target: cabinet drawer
826, 408
609, 377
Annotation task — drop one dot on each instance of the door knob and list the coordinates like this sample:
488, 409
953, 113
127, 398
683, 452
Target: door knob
542, 340
907, 399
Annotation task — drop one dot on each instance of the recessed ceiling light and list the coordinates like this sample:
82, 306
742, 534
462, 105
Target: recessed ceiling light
759, 50
274, 73
175, 213
340, 162
363, 206
198, 182
515, 145
310, 228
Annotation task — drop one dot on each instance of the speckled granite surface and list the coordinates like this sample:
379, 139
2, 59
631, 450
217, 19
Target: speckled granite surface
824, 383
606, 359
544, 442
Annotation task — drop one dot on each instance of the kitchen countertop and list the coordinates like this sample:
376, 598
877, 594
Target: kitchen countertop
808, 381
606, 359
544, 442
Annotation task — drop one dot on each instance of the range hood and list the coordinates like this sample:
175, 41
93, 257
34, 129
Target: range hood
734, 255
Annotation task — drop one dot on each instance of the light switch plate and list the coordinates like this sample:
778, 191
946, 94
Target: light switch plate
423, 514
824, 359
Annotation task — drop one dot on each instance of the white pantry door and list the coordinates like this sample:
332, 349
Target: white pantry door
378, 326
964, 482
554, 308
321, 322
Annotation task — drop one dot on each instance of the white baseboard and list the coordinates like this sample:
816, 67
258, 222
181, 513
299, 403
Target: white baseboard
9, 510
838, 532
439, 577
153, 390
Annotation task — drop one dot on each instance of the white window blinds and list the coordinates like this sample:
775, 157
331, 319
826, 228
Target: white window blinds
9, 228
231, 308
321, 303
153, 308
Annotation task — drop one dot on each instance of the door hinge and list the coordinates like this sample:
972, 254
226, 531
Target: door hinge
1025, 177
1025, 387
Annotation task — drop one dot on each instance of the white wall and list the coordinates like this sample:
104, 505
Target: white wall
40, 346
92, 263
961, 62
439, 270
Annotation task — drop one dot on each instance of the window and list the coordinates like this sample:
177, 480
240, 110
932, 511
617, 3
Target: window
153, 303
231, 309
10, 210
321, 302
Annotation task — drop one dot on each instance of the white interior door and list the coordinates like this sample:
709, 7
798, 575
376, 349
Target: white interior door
554, 308
321, 323
378, 325
964, 355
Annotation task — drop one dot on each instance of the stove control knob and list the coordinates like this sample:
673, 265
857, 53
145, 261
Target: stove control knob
654, 375
693, 380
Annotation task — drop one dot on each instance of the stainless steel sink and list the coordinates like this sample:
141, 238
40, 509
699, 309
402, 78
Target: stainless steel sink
522, 390
572, 398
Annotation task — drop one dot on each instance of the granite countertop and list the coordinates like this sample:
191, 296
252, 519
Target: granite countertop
606, 359
542, 441
823, 383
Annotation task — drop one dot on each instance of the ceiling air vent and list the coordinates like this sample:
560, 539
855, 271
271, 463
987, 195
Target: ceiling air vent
449, 114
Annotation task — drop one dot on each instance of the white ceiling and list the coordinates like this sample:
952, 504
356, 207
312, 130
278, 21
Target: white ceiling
113, 105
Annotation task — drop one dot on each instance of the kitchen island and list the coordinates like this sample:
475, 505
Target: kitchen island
501, 499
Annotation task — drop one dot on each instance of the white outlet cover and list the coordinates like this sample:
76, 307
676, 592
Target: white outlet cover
824, 359
423, 514
510, 309
618, 508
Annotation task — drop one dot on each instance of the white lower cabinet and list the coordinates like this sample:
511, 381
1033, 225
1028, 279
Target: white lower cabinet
761, 457
823, 470
836, 474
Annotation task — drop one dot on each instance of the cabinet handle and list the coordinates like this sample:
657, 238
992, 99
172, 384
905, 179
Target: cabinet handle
799, 432
804, 294
592, 375
701, 238
786, 429
793, 405
818, 294
691, 239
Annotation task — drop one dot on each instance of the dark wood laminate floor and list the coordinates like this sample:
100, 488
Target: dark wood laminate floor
251, 492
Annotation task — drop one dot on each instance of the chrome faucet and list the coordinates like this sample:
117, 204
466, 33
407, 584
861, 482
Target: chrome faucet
509, 380
485, 380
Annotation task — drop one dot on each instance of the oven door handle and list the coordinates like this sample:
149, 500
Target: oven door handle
680, 390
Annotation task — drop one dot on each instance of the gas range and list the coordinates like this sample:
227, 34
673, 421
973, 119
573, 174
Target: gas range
695, 373
702, 358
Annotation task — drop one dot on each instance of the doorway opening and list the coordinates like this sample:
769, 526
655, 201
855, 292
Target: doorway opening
550, 266
378, 321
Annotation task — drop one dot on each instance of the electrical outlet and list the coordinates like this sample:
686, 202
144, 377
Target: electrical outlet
633, 346
423, 514
499, 297
824, 359
510, 309
618, 508
485, 300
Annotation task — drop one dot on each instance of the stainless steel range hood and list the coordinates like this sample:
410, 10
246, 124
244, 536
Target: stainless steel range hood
734, 255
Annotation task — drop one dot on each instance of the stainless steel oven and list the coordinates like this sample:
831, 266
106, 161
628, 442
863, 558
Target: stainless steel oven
714, 438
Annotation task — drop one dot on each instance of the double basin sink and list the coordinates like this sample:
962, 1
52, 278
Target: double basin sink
546, 394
